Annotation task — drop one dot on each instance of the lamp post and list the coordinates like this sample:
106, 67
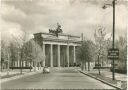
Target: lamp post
104, 7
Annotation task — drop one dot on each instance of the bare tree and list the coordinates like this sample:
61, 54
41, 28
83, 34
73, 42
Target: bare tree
33, 52
100, 42
23, 50
20, 41
5, 55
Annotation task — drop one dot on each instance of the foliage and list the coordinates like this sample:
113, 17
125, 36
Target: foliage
85, 52
20, 49
8, 53
32, 51
122, 45
5, 53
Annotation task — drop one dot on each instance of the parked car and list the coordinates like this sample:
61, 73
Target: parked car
46, 70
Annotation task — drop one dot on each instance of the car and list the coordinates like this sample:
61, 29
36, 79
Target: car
46, 70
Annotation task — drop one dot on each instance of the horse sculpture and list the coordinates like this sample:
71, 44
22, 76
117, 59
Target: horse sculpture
57, 30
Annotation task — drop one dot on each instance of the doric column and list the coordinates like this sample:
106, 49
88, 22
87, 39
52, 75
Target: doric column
44, 54
67, 55
58, 48
23, 63
15, 63
51, 55
18, 63
74, 54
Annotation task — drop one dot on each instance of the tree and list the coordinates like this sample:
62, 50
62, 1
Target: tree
122, 45
33, 52
102, 45
19, 42
8, 54
84, 53
14, 55
29, 50
5, 54
21, 49
91, 54
81, 55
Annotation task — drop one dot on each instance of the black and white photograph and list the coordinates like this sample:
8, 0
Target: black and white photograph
63, 44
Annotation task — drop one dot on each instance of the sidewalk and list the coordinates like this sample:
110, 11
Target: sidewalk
10, 73
108, 73
106, 76
15, 74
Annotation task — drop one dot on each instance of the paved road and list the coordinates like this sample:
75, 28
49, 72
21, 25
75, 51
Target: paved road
58, 79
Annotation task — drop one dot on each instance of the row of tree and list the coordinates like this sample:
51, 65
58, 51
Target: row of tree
19, 49
97, 50
121, 63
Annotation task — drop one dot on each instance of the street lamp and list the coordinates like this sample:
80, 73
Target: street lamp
104, 7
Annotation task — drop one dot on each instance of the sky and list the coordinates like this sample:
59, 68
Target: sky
75, 17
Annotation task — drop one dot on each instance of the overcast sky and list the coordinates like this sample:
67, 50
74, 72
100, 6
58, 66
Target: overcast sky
75, 16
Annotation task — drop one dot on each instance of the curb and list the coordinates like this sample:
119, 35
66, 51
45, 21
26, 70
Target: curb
103, 81
19, 76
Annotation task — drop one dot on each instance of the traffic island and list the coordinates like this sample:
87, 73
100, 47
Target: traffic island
118, 84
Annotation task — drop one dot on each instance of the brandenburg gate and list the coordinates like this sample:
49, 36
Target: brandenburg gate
59, 48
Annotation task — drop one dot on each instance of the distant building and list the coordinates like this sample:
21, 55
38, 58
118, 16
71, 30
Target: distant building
59, 50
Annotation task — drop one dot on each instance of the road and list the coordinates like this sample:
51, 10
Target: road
64, 78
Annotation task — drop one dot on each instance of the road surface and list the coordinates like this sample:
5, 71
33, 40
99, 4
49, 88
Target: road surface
64, 78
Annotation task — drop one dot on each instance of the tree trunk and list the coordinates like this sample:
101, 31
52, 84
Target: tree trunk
20, 58
35, 66
12, 64
21, 66
8, 68
38, 65
88, 66
98, 64
82, 66
85, 66
1, 66
102, 62
30, 66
